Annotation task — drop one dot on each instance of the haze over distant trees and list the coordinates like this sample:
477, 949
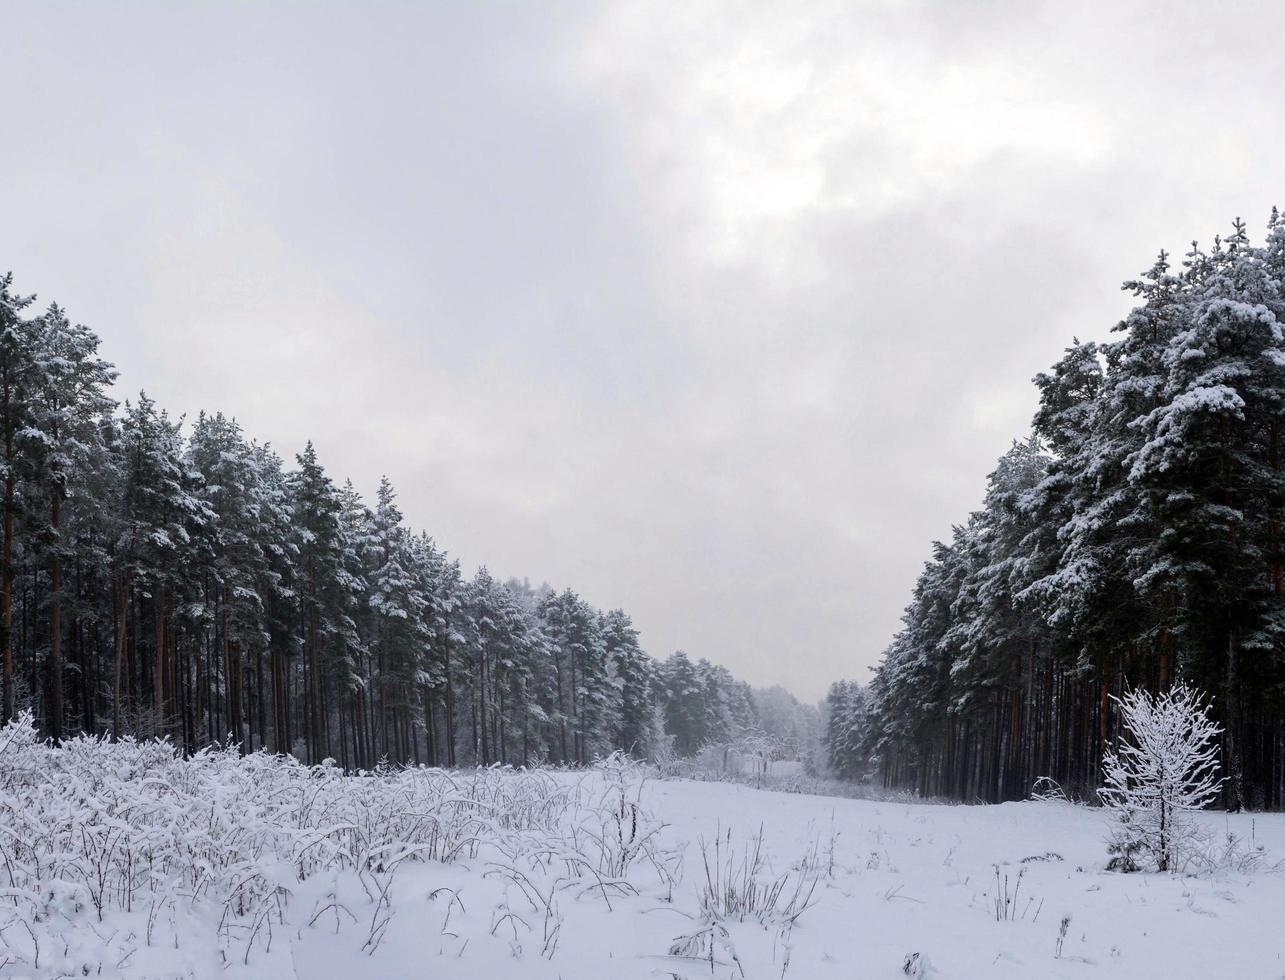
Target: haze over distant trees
185, 581
1135, 538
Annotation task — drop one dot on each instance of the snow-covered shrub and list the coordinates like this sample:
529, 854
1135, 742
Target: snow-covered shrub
1167, 765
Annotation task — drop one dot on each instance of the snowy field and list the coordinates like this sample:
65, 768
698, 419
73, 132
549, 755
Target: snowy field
122, 861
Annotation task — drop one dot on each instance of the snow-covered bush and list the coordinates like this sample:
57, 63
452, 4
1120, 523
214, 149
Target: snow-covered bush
1166, 766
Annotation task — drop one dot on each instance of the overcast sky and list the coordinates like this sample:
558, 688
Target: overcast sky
719, 313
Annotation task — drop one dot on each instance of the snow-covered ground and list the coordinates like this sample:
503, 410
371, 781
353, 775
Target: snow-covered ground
906, 879
285, 871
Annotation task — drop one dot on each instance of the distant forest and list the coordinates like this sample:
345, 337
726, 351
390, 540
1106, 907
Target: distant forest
188, 584
1133, 539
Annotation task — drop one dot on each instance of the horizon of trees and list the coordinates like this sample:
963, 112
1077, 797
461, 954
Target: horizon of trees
157, 582
1134, 539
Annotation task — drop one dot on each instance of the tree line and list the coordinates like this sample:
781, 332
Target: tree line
163, 580
1132, 541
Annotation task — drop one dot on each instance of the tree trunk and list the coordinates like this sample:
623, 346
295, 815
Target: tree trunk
158, 681
6, 562
55, 622
122, 613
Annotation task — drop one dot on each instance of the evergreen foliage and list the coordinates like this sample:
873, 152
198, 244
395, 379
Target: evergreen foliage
158, 581
1134, 538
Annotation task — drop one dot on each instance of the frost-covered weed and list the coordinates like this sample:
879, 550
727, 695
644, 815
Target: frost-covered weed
710, 942
94, 830
740, 887
1005, 896
1204, 851
739, 884
625, 832
1048, 790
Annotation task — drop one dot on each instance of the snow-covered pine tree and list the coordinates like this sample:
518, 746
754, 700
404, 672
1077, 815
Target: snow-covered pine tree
348, 659
399, 629
683, 693
325, 593
585, 698
231, 605
635, 677
1000, 640
67, 402
485, 649
522, 682
450, 634
163, 524
913, 696
1206, 466
15, 364
845, 723
270, 505
437, 580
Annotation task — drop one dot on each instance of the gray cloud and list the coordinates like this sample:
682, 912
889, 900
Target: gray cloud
718, 313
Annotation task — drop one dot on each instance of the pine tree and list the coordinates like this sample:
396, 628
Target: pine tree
400, 630
317, 506
685, 715
635, 677
241, 569
584, 706
161, 513
15, 363
68, 401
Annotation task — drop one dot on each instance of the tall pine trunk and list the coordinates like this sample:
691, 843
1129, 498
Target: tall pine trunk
158, 614
55, 621
6, 552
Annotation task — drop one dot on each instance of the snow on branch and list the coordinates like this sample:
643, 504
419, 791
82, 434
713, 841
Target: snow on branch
1165, 767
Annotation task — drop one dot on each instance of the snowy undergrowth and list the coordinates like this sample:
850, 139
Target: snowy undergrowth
126, 859
121, 860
